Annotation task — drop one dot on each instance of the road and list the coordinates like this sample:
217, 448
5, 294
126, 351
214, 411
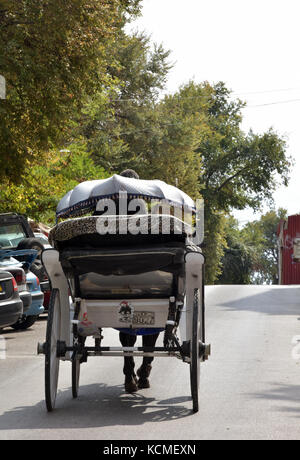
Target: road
250, 387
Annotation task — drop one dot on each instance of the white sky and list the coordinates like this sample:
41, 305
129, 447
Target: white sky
251, 45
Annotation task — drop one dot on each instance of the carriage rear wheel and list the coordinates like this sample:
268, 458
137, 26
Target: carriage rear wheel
51, 359
195, 352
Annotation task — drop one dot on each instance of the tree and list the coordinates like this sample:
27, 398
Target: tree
130, 127
238, 257
192, 138
238, 169
38, 192
120, 120
52, 54
262, 234
251, 253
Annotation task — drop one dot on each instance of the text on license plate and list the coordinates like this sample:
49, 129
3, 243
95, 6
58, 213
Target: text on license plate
145, 318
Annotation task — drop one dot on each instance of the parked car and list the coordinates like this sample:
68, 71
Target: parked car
29, 286
41, 273
11, 306
20, 277
36, 307
14, 228
15, 234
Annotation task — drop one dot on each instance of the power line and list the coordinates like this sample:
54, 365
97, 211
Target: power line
264, 91
236, 93
271, 103
161, 125
203, 98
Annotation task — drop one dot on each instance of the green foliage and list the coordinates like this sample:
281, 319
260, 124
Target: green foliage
192, 139
238, 169
251, 255
262, 235
215, 244
238, 257
120, 121
42, 185
52, 55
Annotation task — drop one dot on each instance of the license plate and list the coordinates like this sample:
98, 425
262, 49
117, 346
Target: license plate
143, 318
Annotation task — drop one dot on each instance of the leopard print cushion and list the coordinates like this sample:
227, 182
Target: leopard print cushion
148, 224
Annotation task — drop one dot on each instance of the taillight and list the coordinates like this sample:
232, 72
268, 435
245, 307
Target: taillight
20, 278
14, 284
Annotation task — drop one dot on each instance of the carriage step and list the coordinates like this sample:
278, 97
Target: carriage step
41, 348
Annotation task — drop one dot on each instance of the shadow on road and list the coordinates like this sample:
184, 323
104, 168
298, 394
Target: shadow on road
269, 300
98, 405
285, 393
10, 332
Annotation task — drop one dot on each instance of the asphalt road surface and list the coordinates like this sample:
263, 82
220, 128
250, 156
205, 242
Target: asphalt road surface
250, 387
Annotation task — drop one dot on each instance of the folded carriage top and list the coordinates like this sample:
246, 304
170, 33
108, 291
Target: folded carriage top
85, 196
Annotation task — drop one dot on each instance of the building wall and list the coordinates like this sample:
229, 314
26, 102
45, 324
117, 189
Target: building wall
289, 270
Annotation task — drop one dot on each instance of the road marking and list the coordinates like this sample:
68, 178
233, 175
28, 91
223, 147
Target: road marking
296, 349
2, 348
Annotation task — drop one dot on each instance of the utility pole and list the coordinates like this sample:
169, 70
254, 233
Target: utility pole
2, 87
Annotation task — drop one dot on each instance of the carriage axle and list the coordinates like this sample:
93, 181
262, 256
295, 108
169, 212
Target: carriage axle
180, 352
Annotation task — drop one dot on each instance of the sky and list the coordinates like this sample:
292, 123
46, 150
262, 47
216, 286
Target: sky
252, 46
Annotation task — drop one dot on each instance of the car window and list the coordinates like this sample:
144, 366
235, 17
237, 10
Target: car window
41, 237
11, 235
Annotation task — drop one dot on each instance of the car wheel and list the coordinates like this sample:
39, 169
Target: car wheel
37, 267
32, 243
24, 323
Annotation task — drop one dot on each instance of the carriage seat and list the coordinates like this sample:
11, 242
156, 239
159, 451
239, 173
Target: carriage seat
83, 232
159, 245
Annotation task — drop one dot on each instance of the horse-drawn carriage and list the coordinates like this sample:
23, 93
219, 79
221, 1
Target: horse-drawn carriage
122, 270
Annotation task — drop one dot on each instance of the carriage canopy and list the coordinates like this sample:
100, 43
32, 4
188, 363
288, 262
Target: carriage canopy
85, 196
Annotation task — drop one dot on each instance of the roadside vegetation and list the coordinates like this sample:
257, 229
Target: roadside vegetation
251, 252
85, 100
